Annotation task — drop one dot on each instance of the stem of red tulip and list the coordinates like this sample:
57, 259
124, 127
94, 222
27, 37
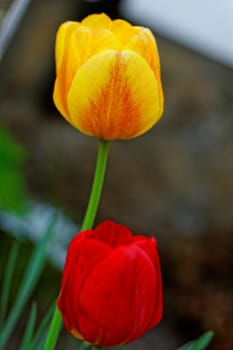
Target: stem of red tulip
54, 330
88, 221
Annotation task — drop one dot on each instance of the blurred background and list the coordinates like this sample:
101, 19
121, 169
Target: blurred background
175, 182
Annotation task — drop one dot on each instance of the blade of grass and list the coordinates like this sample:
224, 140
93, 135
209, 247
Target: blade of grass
29, 329
200, 343
10, 267
40, 331
31, 276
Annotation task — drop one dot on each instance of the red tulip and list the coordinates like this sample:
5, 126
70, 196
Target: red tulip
111, 289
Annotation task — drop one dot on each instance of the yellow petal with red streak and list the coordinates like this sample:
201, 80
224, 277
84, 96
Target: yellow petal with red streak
145, 44
75, 44
108, 99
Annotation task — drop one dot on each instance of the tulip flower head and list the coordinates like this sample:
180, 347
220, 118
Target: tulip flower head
108, 77
111, 289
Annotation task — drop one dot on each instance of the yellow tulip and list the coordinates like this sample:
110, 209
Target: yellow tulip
107, 77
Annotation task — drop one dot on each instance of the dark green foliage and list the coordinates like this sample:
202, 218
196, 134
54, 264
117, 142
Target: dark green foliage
199, 344
12, 185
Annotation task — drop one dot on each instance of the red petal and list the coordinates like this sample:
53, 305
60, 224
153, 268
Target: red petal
112, 234
149, 245
83, 255
116, 301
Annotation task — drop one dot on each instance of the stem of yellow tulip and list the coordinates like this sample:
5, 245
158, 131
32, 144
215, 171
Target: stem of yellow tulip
88, 221
97, 185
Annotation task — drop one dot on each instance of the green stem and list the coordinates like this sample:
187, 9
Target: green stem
87, 224
54, 330
97, 185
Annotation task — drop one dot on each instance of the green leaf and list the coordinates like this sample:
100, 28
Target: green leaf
29, 329
10, 267
31, 277
35, 344
199, 344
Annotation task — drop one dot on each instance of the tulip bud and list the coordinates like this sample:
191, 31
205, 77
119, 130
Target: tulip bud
111, 289
107, 77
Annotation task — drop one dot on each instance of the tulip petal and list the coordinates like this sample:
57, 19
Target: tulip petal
112, 234
65, 66
150, 248
80, 44
145, 44
62, 38
82, 256
117, 297
86, 43
108, 100
97, 21
123, 30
